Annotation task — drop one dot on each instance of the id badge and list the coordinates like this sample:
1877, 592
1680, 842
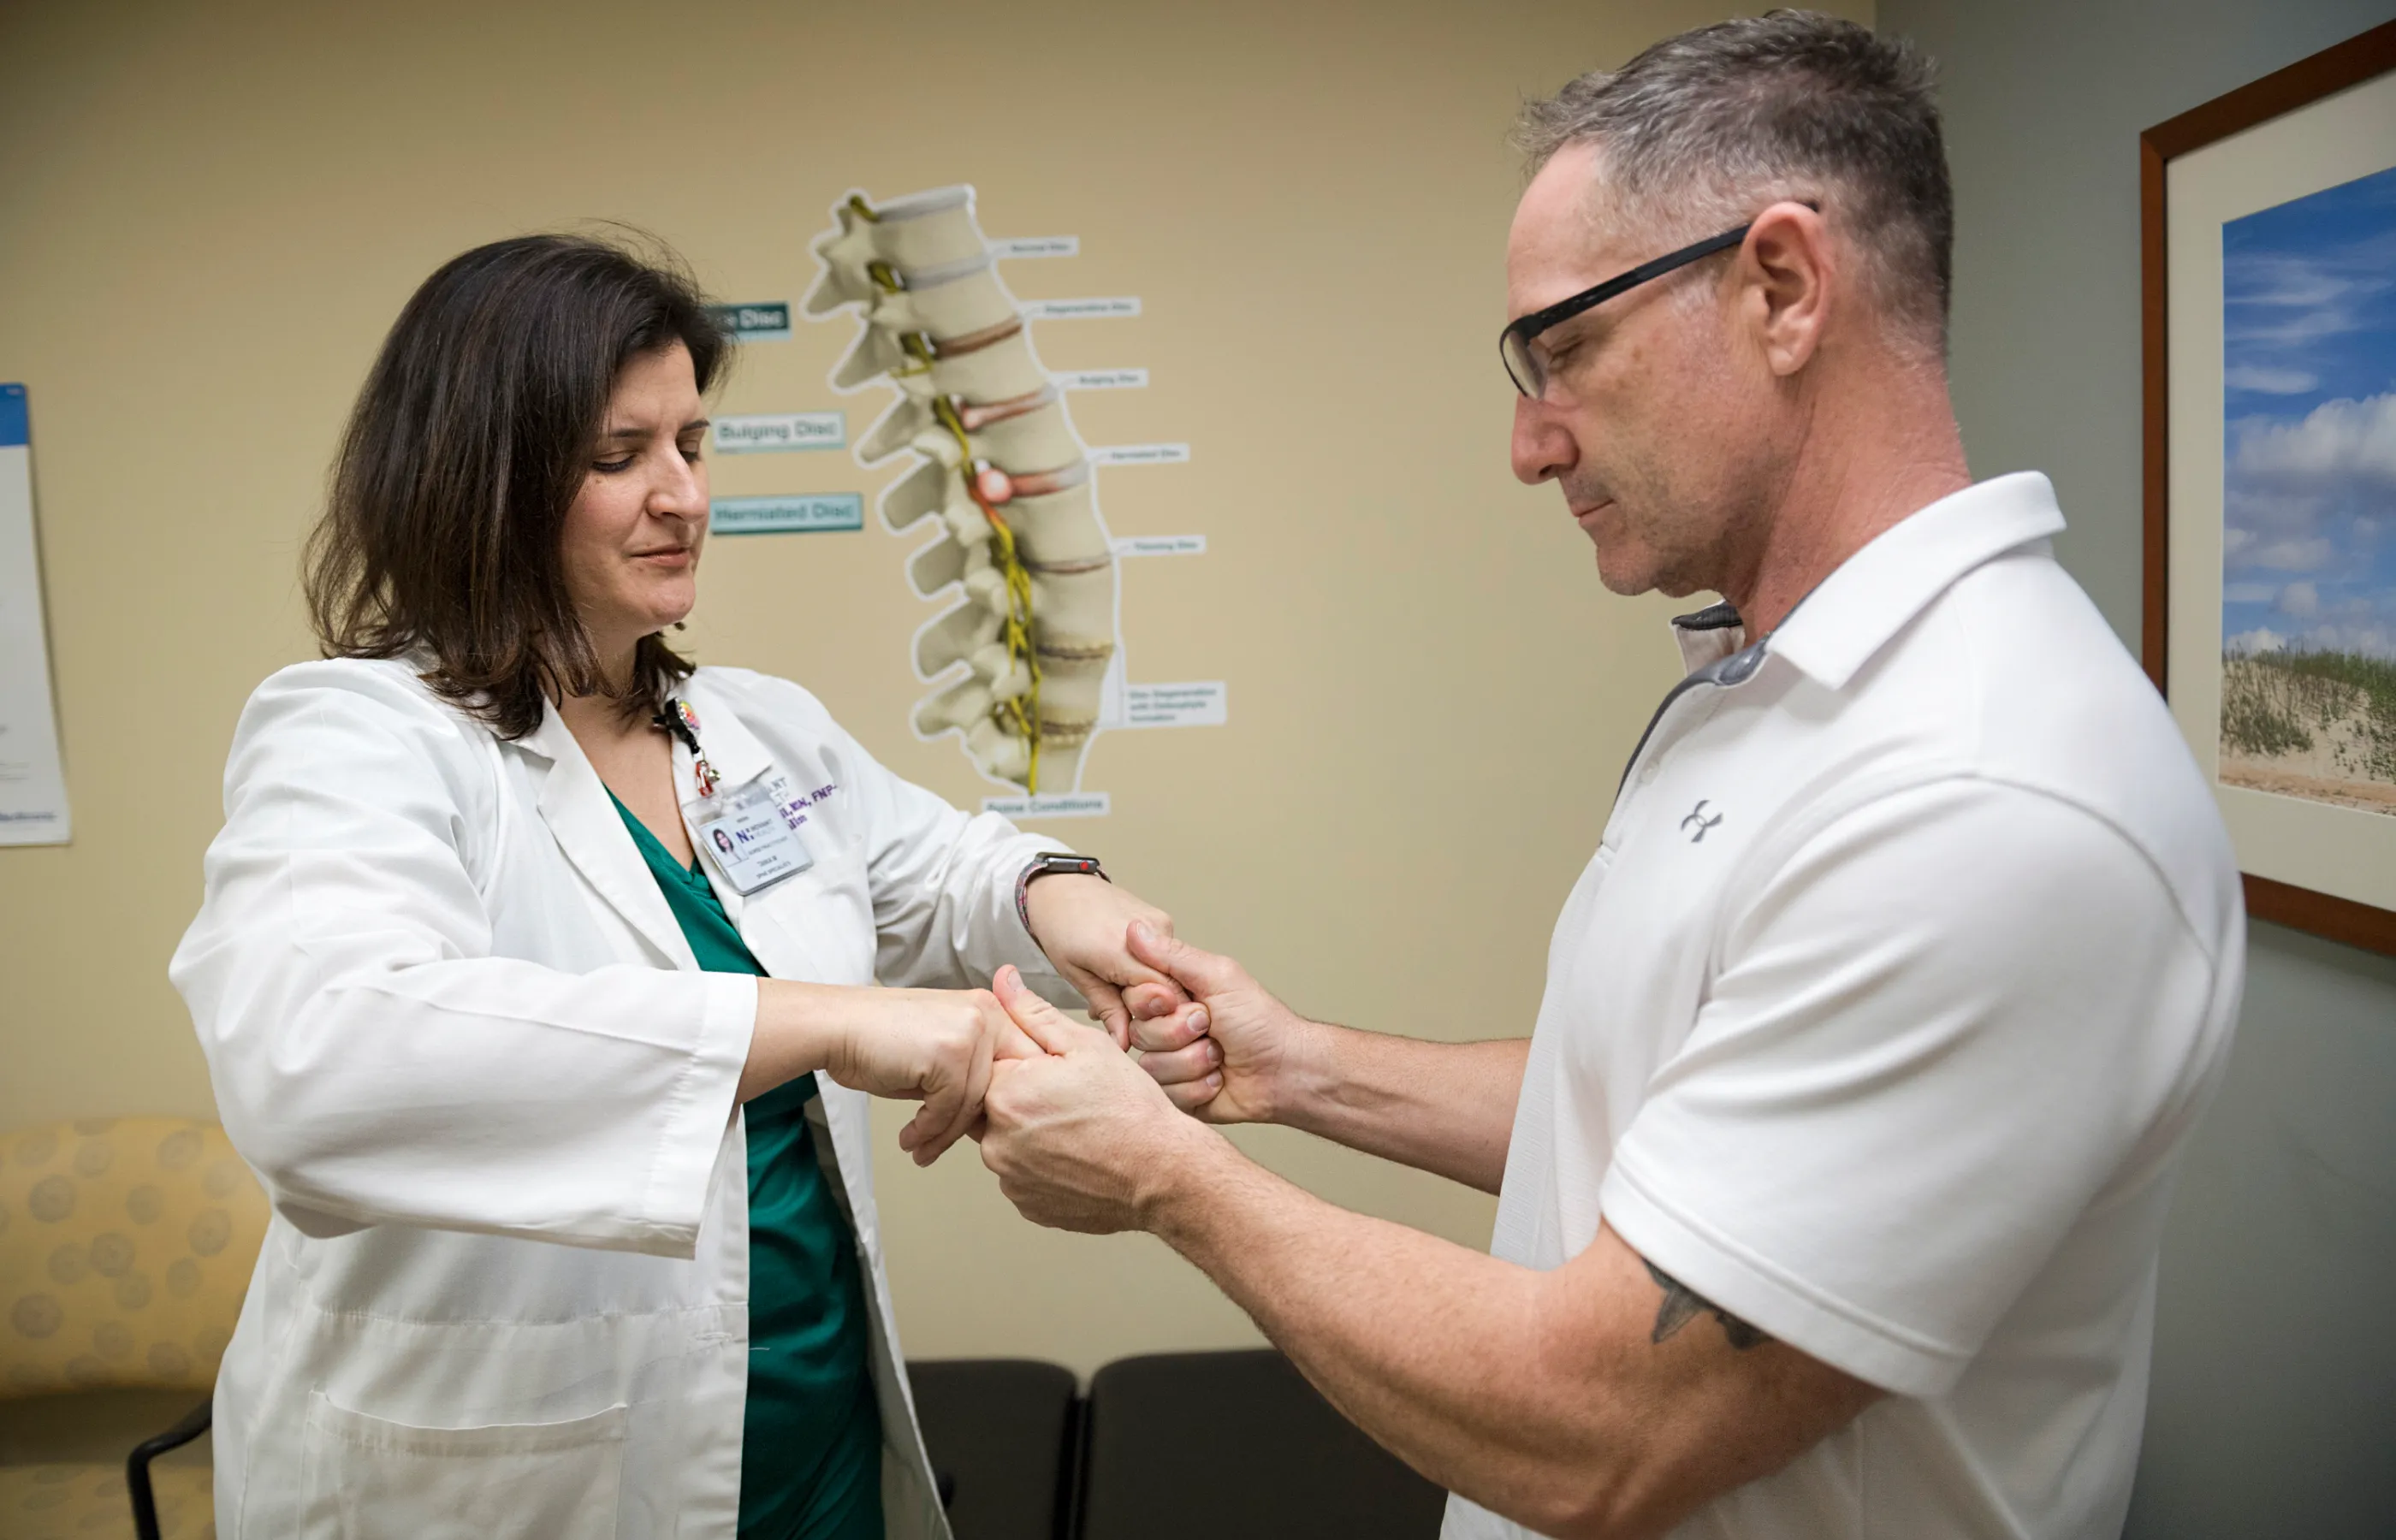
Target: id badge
749, 837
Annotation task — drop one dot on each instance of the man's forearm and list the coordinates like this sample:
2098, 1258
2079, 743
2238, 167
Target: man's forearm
1570, 1400
1445, 1107
1440, 1353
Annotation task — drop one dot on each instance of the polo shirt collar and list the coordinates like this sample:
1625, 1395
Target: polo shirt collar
1874, 593
1709, 636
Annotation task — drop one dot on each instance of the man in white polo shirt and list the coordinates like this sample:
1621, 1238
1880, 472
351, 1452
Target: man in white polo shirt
1832, 1177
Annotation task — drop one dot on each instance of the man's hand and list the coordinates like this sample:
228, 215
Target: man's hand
1237, 1054
1080, 922
1076, 1137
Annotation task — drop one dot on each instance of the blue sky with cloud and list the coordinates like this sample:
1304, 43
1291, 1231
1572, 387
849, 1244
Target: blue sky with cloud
2308, 366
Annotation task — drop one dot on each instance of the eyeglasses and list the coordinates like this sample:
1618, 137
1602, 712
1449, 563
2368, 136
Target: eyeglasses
1523, 366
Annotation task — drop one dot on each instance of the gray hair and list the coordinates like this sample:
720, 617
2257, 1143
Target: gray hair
1709, 127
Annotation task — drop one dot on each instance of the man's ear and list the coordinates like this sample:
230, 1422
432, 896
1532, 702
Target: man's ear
1788, 268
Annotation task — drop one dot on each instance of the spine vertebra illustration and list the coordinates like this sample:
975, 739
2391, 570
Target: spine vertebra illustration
1001, 468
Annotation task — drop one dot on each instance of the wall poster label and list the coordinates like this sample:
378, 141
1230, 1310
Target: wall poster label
1200, 703
809, 513
1103, 380
763, 321
1159, 545
1080, 309
1140, 454
1069, 804
1038, 246
773, 432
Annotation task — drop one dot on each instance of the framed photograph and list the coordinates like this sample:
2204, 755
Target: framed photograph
2269, 234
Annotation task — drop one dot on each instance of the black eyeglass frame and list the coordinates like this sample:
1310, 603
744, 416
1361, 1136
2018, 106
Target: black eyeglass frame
1522, 331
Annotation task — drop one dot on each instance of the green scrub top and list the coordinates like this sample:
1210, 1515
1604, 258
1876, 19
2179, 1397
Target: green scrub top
811, 1440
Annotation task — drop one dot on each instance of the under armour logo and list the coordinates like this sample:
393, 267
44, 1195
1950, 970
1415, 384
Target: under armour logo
1699, 821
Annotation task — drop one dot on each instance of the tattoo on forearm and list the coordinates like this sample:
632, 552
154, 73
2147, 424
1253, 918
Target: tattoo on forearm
1682, 1304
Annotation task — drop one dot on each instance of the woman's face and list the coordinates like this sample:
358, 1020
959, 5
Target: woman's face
631, 537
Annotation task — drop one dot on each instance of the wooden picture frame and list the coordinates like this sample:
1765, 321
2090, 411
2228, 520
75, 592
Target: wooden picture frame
2317, 883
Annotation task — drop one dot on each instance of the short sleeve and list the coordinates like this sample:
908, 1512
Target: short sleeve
1936, 1030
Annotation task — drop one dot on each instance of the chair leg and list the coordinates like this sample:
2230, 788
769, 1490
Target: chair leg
1071, 1463
137, 1467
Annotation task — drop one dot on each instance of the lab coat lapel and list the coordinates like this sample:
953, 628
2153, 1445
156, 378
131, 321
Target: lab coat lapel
739, 757
735, 751
575, 804
910, 1499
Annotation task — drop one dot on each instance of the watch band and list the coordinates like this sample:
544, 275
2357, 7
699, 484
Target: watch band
1050, 864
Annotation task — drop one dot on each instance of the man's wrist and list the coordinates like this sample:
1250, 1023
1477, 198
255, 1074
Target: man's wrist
1178, 1180
1307, 1074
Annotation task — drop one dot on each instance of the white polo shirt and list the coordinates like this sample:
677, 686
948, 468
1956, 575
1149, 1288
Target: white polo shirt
1880, 1019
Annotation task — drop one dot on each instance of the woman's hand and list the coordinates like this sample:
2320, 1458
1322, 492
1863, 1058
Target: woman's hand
930, 1045
1081, 923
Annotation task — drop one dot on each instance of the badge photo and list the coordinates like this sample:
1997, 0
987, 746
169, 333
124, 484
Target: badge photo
752, 844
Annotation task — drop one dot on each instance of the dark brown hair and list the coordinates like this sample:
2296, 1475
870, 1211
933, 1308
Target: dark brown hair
467, 446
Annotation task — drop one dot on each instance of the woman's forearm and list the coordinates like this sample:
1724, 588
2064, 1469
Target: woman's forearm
933, 1046
798, 1028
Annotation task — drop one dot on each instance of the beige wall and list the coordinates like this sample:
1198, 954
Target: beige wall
209, 215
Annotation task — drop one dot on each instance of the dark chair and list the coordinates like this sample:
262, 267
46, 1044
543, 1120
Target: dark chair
1208, 1446
1001, 1433
138, 1484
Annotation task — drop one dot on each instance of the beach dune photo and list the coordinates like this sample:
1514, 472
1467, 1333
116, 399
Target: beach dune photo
2308, 537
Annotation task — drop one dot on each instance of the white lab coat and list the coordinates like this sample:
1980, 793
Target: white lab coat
456, 1031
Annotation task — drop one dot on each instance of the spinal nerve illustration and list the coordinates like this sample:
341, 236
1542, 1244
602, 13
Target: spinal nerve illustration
1001, 468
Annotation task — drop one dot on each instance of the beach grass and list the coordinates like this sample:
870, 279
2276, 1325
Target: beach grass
2279, 703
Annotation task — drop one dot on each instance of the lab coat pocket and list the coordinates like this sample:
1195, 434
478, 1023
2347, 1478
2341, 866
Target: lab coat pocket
372, 1480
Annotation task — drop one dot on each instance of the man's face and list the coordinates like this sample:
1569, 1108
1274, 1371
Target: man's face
1660, 421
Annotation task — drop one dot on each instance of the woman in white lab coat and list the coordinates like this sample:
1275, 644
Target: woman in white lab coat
513, 913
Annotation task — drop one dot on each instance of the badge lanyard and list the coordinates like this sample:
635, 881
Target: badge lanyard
753, 841
680, 720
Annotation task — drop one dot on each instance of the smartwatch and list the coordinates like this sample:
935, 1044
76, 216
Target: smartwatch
1050, 863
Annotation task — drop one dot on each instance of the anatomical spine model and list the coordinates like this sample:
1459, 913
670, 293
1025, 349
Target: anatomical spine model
1001, 468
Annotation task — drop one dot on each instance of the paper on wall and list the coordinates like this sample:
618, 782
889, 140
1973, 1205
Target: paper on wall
33, 785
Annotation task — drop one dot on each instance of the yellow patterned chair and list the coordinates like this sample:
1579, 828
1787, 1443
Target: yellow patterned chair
126, 1245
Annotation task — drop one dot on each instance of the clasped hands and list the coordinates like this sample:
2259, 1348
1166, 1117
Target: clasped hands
1081, 1135
1084, 1138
